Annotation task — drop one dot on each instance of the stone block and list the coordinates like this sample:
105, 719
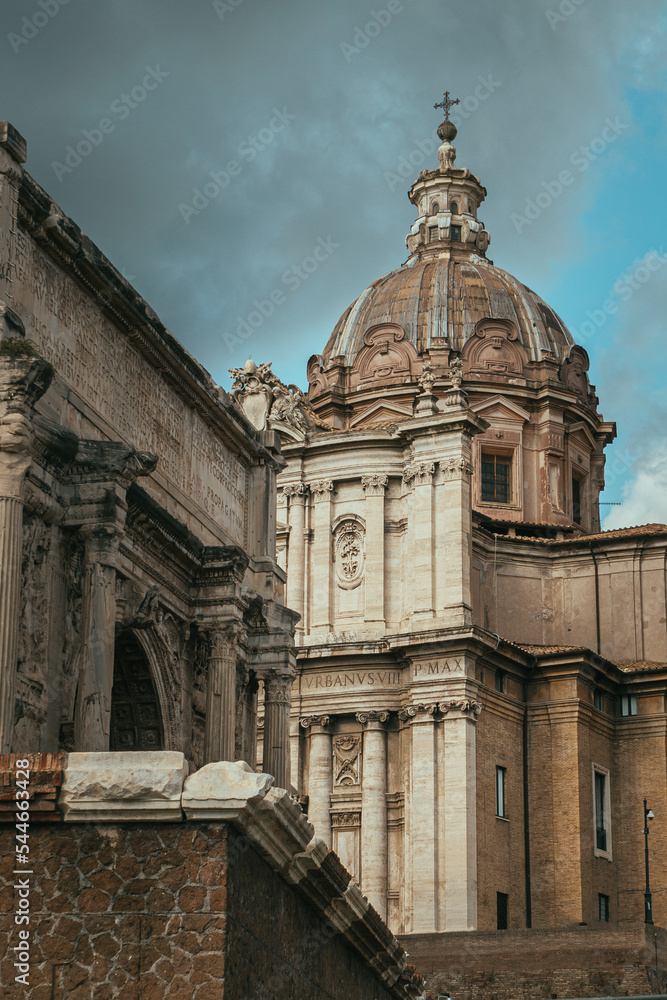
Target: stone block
108, 787
225, 790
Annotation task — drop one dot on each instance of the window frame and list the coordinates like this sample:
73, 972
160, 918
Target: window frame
506, 905
501, 792
507, 457
631, 701
602, 907
600, 852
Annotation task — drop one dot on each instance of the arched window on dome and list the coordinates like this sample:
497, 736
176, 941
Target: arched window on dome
435, 209
455, 208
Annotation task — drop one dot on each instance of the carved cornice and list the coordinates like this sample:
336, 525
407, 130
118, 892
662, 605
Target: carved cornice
321, 488
420, 472
374, 485
101, 461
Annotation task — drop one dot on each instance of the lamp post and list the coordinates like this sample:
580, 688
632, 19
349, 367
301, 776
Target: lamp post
648, 911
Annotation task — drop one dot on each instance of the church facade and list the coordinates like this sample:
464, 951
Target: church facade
480, 708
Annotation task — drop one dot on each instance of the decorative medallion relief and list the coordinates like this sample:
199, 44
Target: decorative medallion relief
349, 544
347, 753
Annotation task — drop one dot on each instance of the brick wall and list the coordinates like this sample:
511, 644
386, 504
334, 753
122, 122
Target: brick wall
531, 964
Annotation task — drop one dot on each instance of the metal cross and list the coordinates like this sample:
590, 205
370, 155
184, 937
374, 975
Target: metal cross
446, 105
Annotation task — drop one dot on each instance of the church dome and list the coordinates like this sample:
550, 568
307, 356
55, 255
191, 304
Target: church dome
440, 301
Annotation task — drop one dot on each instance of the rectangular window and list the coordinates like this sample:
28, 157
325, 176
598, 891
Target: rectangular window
500, 791
598, 700
576, 500
600, 809
496, 478
603, 907
456, 233
432, 234
502, 907
628, 704
500, 681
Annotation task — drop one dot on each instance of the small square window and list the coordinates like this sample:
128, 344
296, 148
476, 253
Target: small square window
502, 908
456, 234
432, 234
628, 704
500, 792
603, 907
598, 700
496, 478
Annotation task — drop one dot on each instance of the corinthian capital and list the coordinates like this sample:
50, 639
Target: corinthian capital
294, 492
321, 488
421, 472
374, 485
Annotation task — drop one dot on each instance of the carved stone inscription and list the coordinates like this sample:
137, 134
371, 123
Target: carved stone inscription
100, 363
431, 668
351, 678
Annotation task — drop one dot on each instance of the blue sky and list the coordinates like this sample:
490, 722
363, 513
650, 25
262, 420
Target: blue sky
311, 111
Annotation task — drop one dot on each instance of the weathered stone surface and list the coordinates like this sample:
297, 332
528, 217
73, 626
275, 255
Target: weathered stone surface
224, 790
109, 787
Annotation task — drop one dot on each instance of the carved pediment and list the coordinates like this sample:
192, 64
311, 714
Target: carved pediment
388, 358
381, 412
494, 349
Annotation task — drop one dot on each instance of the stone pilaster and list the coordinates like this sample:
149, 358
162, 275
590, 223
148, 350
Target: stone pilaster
421, 860
277, 691
22, 382
454, 498
296, 560
374, 487
221, 694
321, 492
421, 539
374, 809
320, 775
460, 810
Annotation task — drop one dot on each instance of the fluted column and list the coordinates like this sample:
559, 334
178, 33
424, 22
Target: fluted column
320, 775
220, 695
374, 487
374, 809
296, 559
22, 381
277, 689
321, 561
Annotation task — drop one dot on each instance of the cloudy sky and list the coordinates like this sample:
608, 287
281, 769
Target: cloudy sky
225, 140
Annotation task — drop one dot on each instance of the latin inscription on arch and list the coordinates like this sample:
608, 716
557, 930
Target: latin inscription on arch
351, 679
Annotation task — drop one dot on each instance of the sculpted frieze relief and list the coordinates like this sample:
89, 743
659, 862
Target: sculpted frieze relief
346, 819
